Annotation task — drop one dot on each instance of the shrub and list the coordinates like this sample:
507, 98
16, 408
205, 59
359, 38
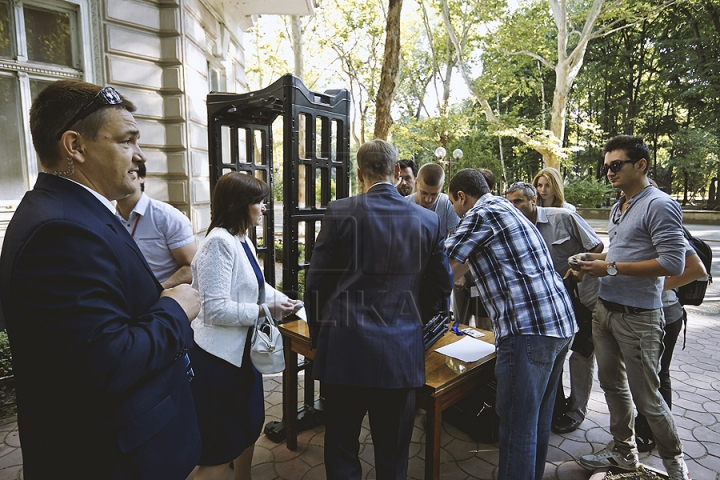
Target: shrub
5, 355
587, 193
279, 252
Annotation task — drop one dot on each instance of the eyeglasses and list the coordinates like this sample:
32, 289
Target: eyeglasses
106, 96
615, 166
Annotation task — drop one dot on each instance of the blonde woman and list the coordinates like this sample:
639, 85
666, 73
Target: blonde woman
549, 185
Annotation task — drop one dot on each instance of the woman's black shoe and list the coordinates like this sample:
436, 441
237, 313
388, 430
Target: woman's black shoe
645, 443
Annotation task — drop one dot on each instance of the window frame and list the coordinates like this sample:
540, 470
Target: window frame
215, 66
24, 70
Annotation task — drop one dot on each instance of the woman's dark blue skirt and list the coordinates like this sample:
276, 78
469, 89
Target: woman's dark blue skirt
230, 405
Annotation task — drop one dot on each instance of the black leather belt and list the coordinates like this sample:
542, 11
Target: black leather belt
617, 307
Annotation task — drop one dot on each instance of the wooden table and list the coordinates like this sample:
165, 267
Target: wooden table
447, 381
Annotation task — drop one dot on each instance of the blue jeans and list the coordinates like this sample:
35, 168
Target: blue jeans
528, 368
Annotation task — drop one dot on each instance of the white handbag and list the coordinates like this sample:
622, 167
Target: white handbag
266, 345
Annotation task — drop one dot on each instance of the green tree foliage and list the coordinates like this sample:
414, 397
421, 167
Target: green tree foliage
695, 160
648, 69
654, 79
588, 193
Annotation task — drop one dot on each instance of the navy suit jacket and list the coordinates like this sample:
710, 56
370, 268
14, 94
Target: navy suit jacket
376, 255
100, 375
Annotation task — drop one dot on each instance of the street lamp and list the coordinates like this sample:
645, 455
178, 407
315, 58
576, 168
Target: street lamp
457, 154
440, 153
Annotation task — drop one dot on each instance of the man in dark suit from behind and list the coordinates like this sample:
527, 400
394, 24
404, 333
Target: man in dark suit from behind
375, 257
99, 348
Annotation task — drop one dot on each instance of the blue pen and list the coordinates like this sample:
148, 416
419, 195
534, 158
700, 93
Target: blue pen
456, 329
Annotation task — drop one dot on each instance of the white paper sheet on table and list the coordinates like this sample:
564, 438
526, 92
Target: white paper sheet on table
467, 349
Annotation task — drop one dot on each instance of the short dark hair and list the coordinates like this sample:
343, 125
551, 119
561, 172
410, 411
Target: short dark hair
470, 181
409, 163
489, 177
55, 106
634, 147
233, 194
431, 174
377, 159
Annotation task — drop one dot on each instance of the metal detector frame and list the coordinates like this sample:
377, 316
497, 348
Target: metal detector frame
316, 124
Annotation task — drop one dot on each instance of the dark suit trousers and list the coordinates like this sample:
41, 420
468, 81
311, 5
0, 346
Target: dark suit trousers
391, 413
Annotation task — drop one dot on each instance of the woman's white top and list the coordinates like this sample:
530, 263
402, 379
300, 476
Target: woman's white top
569, 206
224, 277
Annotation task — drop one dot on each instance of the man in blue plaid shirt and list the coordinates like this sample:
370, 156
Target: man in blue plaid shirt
531, 313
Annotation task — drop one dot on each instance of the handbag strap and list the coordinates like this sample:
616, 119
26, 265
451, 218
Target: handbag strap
263, 320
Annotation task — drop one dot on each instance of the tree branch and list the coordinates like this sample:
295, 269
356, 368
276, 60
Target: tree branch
537, 57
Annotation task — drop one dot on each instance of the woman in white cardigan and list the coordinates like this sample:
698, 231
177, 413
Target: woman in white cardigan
227, 389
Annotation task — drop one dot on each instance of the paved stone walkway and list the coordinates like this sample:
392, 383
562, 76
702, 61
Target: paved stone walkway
696, 405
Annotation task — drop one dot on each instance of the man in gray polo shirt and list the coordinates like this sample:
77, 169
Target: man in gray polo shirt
163, 234
646, 245
565, 233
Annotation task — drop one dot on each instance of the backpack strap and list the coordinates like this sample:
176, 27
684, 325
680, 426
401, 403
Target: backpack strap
684, 319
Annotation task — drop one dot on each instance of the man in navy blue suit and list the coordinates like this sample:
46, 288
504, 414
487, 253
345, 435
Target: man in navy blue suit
99, 348
375, 257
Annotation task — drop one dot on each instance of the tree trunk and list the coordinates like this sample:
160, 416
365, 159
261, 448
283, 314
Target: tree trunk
567, 68
297, 46
390, 69
557, 122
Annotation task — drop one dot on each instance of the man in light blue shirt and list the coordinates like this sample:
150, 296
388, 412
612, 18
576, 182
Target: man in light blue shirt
646, 245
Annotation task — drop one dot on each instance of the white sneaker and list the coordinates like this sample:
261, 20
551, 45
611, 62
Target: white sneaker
676, 468
610, 457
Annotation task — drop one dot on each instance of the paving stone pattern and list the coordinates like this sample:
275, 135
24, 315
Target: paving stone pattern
696, 406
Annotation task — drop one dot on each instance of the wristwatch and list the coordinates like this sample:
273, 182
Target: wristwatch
612, 269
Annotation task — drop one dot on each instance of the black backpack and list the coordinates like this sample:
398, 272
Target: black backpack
694, 292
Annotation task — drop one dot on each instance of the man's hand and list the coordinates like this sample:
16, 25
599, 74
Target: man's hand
187, 297
594, 268
578, 275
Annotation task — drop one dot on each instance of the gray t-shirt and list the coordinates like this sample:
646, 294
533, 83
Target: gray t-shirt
650, 227
444, 208
567, 233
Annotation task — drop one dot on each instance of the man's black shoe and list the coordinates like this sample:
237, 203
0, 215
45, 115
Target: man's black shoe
645, 443
565, 424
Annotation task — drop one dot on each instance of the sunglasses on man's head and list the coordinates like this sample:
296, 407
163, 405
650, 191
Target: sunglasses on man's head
106, 96
615, 166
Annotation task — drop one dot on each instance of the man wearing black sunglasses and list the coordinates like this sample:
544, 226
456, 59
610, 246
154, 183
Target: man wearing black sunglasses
646, 245
101, 372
